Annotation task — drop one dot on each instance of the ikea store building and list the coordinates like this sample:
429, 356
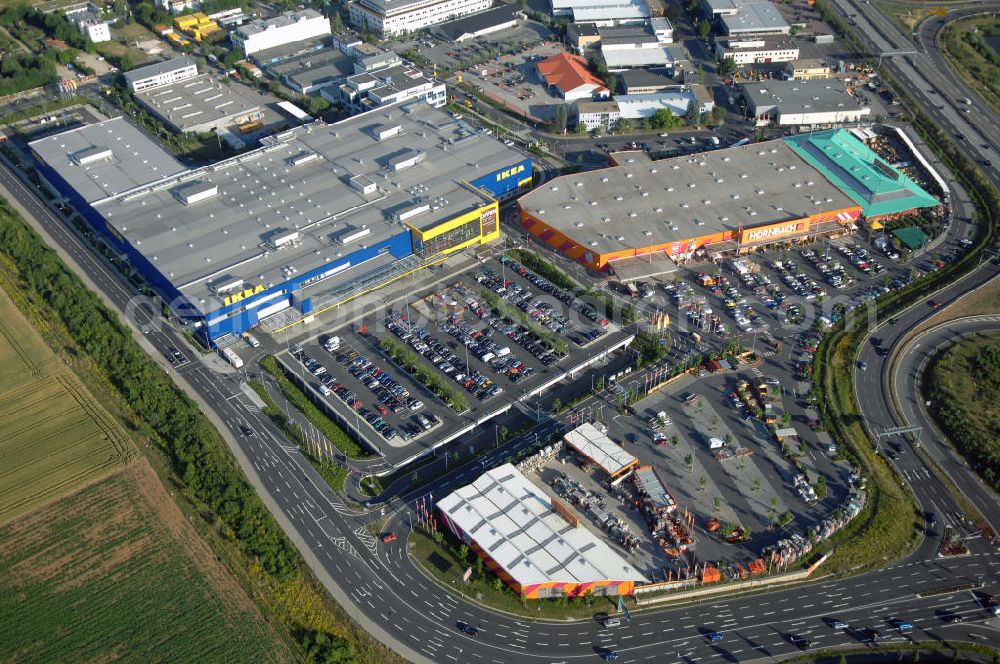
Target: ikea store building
313, 218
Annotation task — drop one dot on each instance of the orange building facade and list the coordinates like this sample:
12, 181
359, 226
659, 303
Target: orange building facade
743, 239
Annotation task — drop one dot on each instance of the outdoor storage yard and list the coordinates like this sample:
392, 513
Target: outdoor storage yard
423, 372
705, 475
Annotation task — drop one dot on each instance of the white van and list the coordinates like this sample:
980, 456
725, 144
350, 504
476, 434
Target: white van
332, 344
612, 622
252, 340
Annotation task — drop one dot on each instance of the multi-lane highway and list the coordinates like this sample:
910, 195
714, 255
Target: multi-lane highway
390, 597
927, 78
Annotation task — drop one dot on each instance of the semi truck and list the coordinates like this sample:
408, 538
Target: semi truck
229, 356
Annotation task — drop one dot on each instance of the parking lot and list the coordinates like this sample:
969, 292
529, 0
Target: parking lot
784, 293
734, 490
454, 56
512, 81
429, 368
353, 378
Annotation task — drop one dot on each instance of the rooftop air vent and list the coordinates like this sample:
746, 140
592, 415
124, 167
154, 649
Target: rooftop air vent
195, 192
383, 132
92, 155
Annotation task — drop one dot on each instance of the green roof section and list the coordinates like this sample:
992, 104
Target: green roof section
860, 173
911, 236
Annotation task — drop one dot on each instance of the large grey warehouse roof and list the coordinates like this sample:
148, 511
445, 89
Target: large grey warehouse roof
199, 103
644, 202
755, 17
297, 182
315, 68
823, 94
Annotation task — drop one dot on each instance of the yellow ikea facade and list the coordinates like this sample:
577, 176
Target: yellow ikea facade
480, 225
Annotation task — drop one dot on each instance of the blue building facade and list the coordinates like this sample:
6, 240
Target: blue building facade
506, 182
242, 311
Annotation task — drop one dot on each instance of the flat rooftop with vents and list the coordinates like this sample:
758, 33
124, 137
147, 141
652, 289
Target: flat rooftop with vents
643, 202
310, 197
201, 103
534, 543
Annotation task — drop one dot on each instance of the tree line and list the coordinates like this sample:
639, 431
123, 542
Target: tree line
195, 449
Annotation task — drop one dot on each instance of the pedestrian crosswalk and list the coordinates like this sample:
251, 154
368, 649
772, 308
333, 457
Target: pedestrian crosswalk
757, 373
766, 353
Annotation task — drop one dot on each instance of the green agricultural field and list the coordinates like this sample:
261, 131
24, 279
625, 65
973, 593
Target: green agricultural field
115, 572
53, 436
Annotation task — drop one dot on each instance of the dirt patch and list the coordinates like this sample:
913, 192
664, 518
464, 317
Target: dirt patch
151, 489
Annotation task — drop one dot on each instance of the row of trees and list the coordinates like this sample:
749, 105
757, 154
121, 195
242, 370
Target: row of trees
21, 71
435, 382
24, 70
203, 467
24, 23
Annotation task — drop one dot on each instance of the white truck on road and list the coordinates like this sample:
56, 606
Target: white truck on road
230, 356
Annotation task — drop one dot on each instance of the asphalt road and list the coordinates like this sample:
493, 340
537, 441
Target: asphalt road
928, 79
382, 589
910, 366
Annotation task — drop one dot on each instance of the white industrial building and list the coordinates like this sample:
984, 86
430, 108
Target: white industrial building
96, 30
754, 17
630, 46
371, 89
603, 12
160, 73
178, 6
822, 102
388, 18
637, 107
757, 50
284, 29
603, 115
479, 24
532, 541
593, 443
88, 21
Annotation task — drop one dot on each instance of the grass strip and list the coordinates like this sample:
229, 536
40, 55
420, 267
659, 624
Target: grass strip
445, 559
312, 412
407, 360
889, 525
962, 387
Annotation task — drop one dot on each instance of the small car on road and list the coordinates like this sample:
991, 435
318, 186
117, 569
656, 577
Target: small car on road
466, 628
389, 537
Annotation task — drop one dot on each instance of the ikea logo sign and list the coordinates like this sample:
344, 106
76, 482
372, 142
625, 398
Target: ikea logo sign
242, 295
510, 172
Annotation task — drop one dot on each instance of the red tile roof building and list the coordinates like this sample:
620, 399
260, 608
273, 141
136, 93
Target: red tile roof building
567, 75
